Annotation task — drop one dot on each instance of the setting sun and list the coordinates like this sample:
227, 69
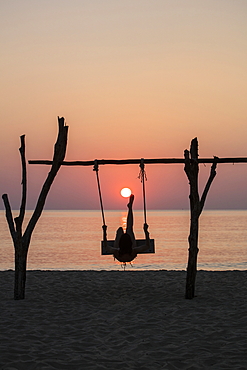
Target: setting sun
125, 192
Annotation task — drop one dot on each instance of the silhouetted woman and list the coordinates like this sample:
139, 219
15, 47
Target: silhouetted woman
125, 248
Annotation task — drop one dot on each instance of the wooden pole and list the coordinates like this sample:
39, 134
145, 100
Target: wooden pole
138, 161
22, 241
196, 206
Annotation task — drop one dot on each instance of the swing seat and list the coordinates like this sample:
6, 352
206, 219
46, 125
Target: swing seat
139, 242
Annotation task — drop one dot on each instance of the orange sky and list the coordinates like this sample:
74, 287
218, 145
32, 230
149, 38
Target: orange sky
133, 79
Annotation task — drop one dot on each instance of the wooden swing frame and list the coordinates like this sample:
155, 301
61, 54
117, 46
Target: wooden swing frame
191, 163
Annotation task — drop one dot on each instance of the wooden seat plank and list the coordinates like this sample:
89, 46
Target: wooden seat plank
139, 242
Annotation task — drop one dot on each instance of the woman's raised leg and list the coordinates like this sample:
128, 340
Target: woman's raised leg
130, 219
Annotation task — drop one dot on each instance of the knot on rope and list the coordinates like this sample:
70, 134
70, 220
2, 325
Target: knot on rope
96, 166
142, 174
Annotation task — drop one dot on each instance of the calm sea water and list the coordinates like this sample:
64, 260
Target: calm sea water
70, 240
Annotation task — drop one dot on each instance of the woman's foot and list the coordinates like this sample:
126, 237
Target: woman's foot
131, 200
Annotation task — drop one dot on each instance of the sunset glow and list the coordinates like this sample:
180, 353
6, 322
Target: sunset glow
133, 79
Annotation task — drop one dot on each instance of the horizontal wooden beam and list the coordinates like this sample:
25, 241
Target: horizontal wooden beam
138, 161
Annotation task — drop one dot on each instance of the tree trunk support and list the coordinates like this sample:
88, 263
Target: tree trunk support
196, 206
22, 240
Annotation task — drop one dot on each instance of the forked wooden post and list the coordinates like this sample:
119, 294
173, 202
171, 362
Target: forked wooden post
196, 206
21, 240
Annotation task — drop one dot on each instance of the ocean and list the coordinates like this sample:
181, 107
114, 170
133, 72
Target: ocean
71, 240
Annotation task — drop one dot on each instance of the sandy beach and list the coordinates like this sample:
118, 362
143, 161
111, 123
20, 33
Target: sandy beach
124, 320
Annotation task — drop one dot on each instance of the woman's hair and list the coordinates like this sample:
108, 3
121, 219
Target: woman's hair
125, 245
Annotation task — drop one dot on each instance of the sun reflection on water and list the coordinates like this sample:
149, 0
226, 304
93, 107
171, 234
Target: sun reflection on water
124, 222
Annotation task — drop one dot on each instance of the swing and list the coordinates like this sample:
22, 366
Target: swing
139, 242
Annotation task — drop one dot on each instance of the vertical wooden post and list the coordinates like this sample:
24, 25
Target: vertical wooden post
22, 240
196, 206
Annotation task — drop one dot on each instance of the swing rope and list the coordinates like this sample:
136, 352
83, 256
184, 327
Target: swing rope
96, 169
143, 177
